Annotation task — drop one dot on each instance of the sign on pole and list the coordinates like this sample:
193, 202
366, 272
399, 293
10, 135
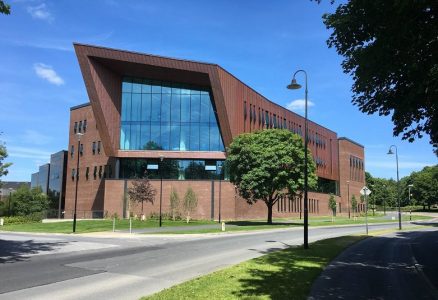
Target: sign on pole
365, 192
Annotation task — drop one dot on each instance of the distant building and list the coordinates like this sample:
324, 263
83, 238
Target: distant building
8, 187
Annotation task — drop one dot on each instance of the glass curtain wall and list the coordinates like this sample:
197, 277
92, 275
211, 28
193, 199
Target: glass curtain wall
167, 116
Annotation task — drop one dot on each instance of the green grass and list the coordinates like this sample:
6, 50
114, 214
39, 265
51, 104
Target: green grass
281, 223
285, 274
83, 226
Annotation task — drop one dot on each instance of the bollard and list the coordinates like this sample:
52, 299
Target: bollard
114, 224
2, 221
223, 226
130, 225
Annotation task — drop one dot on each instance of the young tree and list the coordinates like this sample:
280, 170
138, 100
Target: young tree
332, 205
267, 165
389, 48
3, 166
354, 205
26, 201
174, 203
142, 191
190, 202
425, 188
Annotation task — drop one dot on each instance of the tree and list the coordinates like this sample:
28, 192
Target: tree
390, 49
332, 206
354, 205
4, 8
425, 186
190, 202
267, 165
3, 166
26, 201
174, 203
142, 191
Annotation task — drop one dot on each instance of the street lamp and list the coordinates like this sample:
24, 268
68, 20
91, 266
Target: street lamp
161, 185
294, 86
384, 200
9, 204
78, 135
348, 197
398, 184
220, 189
410, 205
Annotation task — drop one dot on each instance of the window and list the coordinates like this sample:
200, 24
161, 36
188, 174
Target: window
85, 126
95, 172
100, 171
94, 148
72, 151
73, 173
98, 147
244, 110
75, 128
80, 126
81, 149
110, 171
87, 172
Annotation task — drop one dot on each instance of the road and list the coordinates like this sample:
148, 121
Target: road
400, 265
127, 267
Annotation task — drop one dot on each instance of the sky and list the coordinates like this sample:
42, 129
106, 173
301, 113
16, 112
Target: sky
260, 42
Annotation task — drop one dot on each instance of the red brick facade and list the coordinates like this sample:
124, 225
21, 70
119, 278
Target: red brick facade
101, 191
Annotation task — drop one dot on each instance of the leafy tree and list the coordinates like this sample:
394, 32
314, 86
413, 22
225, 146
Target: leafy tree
3, 166
390, 49
190, 202
267, 165
332, 206
425, 188
354, 205
174, 203
142, 191
4, 8
26, 201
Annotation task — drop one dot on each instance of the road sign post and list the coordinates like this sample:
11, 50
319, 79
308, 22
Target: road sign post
366, 192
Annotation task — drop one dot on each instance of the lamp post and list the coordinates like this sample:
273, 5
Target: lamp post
410, 205
348, 197
220, 190
398, 184
9, 204
293, 86
161, 185
384, 201
78, 135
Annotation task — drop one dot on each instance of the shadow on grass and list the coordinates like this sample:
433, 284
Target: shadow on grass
15, 251
289, 274
262, 223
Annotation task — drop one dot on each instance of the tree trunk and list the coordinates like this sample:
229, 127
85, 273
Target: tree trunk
141, 207
269, 213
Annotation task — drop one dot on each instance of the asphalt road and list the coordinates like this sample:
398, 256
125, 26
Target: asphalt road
401, 265
127, 267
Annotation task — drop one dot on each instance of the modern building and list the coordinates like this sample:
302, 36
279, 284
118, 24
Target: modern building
173, 119
51, 178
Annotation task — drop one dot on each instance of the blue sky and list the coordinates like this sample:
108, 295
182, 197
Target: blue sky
260, 42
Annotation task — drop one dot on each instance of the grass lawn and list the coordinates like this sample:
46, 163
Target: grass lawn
83, 226
285, 274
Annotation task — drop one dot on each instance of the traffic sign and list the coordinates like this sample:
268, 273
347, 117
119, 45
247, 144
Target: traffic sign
365, 191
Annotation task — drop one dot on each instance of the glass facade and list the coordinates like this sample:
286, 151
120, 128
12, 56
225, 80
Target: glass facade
167, 116
58, 163
172, 169
43, 177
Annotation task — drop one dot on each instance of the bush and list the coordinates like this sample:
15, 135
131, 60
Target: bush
32, 218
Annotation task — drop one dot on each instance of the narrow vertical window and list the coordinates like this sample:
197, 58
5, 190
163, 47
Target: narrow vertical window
100, 171
81, 149
95, 172
72, 151
73, 173
94, 148
87, 173
85, 126
80, 126
244, 110
75, 128
98, 147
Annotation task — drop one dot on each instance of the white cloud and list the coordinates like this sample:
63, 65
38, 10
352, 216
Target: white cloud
27, 152
40, 12
298, 105
47, 72
35, 138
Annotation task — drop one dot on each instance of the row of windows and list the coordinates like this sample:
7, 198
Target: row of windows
105, 171
286, 204
172, 169
166, 116
270, 120
356, 168
95, 146
80, 126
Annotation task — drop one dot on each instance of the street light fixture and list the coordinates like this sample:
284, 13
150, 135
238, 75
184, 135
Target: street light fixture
78, 136
398, 183
161, 185
348, 197
410, 205
294, 86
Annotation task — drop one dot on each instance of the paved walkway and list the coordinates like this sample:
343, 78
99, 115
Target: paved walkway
175, 228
